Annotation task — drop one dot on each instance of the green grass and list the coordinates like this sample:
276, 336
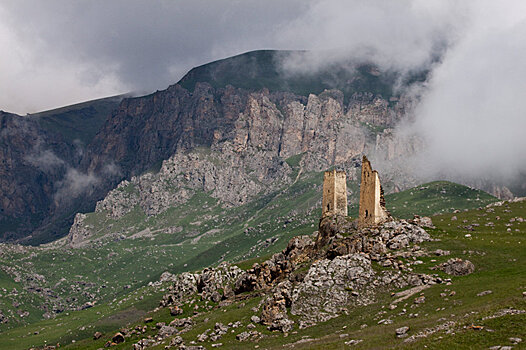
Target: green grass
256, 70
435, 198
246, 234
79, 121
500, 261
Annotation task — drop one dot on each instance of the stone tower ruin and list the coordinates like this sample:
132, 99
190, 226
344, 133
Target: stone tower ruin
334, 193
372, 204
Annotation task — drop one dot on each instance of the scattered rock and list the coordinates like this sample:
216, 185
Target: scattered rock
177, 340
486, 292
423, 221
440, 252
97, 335
182, 322
167, 276
243, 336
203, 336
166, 331
515, 340
353, 342
118, 338
428, 331
456, 267
175, 310
420, 300
402, 332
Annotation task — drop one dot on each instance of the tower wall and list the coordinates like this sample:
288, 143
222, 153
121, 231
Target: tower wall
372, 205
334, 193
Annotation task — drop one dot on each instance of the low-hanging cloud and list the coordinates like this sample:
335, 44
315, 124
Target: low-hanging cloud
404, 35
74, 184
471, 113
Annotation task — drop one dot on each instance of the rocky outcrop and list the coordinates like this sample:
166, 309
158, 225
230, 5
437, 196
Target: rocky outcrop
79, 231
332, 286
328, 287
316, 277
212, 284
456, 267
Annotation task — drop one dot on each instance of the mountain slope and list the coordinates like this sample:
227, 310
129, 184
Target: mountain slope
39, 166
493, 271
266, 69
97, 144
121, 254
78, 122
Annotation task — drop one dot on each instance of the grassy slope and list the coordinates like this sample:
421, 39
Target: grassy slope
436, 198
262, 69
500, 260
79, 121
134, 262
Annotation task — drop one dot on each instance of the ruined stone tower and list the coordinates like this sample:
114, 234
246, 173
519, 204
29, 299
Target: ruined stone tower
334, 193
372, 204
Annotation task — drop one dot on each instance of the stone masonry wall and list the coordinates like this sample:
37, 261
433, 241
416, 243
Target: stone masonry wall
334, 193
372, 204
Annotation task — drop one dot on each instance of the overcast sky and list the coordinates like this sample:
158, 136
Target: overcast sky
57, 52
473, 111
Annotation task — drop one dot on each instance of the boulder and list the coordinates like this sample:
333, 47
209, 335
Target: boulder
118, 338
456, 267
175, 310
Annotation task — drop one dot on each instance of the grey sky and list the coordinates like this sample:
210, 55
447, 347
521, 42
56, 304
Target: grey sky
473, 113
61, 51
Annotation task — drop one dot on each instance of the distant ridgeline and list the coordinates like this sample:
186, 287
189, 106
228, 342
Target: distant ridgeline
264, 69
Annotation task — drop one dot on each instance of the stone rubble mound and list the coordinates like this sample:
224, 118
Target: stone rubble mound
316, 277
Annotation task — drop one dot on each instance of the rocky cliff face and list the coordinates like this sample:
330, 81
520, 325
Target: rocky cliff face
254, 133
254, 126
32, 162
146, 130
41, 185
230, 143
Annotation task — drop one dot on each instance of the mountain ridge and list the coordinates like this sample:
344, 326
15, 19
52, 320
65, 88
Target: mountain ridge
138, 133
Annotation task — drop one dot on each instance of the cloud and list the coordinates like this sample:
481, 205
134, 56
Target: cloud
473, 112
401, 35
75, 184
34, 77
63, 51
44, 160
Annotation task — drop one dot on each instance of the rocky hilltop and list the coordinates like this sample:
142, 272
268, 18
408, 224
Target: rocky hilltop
314, 279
